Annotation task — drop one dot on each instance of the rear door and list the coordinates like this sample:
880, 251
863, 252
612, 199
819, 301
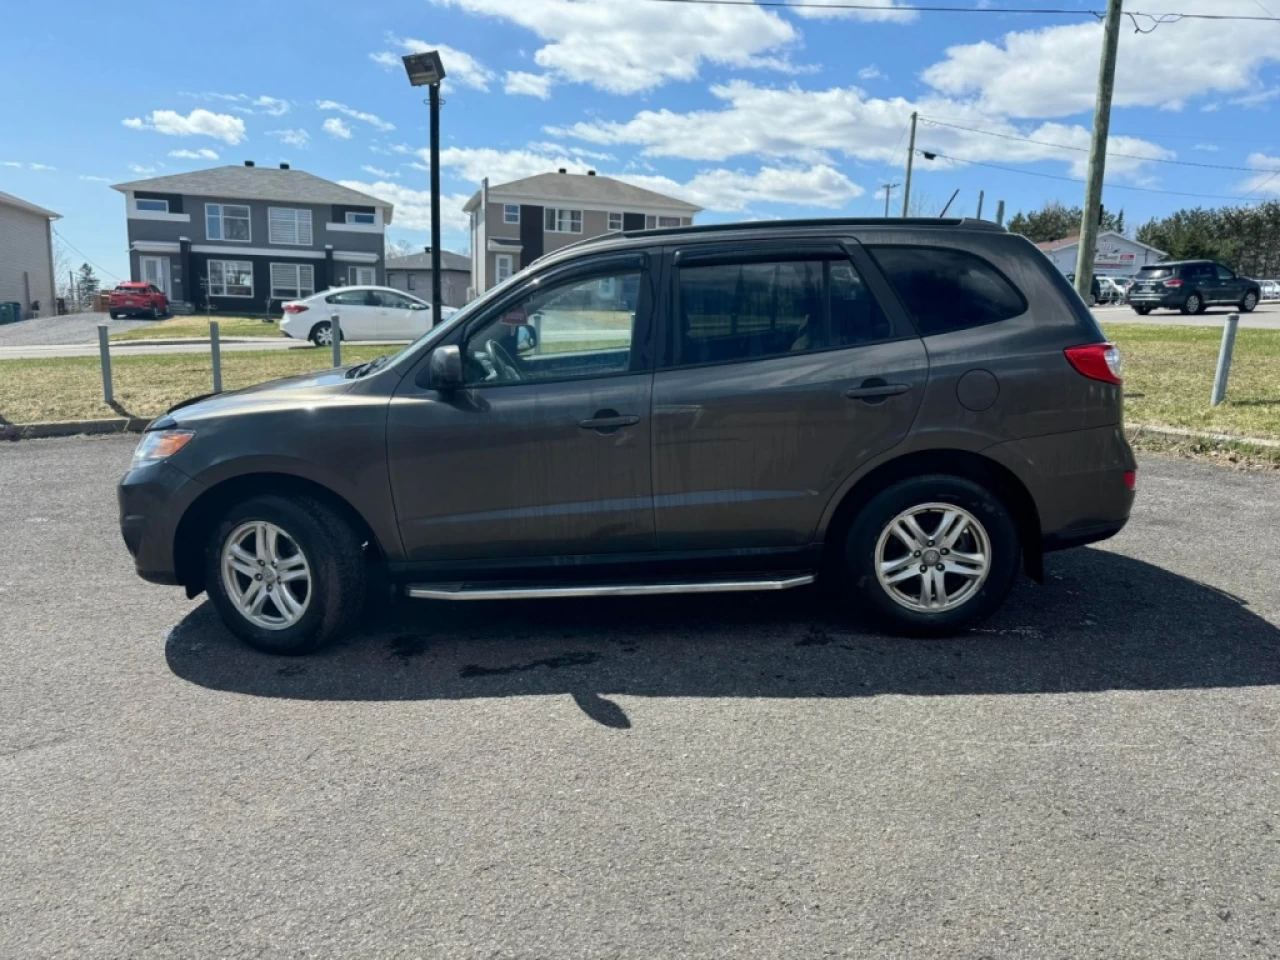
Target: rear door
356, 314
783, 367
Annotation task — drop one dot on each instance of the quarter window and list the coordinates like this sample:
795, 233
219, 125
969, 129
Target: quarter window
226, 221
563, 221
230, 278
292, 281
946, 290
286, 226
511, 213
748, 311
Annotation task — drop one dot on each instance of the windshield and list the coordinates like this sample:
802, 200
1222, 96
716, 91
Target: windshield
461, 316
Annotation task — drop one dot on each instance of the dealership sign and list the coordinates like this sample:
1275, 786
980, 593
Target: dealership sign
1109, 255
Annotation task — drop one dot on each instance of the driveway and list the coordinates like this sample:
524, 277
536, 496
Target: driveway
1092, 774
72, 328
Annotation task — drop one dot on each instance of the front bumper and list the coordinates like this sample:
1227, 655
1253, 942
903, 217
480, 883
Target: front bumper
153, 500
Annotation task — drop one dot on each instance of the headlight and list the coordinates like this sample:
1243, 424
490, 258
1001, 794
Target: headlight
157, 445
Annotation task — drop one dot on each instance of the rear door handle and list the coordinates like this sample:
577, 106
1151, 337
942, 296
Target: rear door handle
608, 424
877, 390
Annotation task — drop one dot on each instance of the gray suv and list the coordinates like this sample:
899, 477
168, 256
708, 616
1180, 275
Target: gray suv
912, 410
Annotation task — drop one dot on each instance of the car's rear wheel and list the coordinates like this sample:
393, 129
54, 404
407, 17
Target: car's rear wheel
285, 574
1142, 311
1249, 302
114, 315
155, 313
1194, 304
933, 555
322, 334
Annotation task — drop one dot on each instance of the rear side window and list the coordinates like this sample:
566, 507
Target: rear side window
1154, 273
747, 311
947, 290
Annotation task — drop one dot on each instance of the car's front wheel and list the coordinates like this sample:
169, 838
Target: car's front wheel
1249, 302
285, 574
932, 555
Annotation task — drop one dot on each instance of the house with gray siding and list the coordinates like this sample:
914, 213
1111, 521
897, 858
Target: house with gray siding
26, 254
412, 274
244, 239
513, 224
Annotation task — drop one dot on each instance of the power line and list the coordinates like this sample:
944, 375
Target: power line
1109, 186
1261, 185
892, 162
83, 254
1156, 18
1063, 146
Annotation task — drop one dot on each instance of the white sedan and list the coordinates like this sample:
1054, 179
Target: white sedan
364, 313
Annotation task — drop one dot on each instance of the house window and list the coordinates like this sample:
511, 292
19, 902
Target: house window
511, 213
230, 278
502, 266
409, 281
686, 221
156, 206
292, 281
668, 221
226, 221
363, 276
354, 217
286, 226
563, 221
615, 223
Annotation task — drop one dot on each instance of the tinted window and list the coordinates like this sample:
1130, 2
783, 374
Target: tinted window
743, 311
946, 290
1154, 273
394, 300
1224, 273
350, 297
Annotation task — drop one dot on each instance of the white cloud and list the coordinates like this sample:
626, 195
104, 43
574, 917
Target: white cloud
413, 207
871, 72
199, 122
828, 9
503, 166
93, 179
10, 163
18, 165
528, 84
1207, 147
733, 191
628, 46
204, 153
140, 170
40, 166
1267, 180
370, 118
1257, 98
378, 171
243, 103
812, 125
459, 66
1052, 71
334, 126
297, 138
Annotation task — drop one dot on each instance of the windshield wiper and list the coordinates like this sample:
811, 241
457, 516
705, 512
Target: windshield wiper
367, 368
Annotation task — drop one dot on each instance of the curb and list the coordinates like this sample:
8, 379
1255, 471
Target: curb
1173, 433
72, 428
183, 341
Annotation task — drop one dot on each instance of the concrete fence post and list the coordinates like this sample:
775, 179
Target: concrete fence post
1224, 358
215, 352
104, 355
335, 327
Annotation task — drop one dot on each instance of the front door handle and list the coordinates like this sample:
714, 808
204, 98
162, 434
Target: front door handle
607, 421
876, 390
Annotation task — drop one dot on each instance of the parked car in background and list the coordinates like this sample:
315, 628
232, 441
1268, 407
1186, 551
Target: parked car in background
1190, 286
134, 298
910, 410
364, 313
1110, 291
1125, 284
1270, 289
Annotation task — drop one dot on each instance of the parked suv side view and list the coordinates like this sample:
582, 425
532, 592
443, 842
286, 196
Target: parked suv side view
1191, 286
911, 410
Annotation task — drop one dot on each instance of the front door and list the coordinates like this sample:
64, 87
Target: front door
1230, 287
397, 318
546, 451
156, 270
363, 276
781, 373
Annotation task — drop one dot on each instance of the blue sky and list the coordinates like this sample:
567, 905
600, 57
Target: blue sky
750, 112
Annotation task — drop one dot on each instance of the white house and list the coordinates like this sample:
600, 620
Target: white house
26, 254
1116, 255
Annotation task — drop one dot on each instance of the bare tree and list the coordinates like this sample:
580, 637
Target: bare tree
398, 248
62, 267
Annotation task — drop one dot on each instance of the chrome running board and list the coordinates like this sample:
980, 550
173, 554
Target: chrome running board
481, 591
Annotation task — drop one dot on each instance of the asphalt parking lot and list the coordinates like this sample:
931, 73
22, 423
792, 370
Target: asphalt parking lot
1095, 773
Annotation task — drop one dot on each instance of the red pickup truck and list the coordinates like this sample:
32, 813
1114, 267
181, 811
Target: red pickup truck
135, 298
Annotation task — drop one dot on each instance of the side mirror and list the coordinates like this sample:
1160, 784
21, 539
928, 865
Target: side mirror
419, 306
526, 339
446, 369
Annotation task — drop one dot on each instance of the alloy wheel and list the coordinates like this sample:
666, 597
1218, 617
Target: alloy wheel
933, 557
324, 336
266, 575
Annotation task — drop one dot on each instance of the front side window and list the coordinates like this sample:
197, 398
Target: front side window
230, 278
357, 217
577, 328
1224, 273
226, 221
155, 206
615, 223
947, 290
511, 213
746, 311
292, 281
563, 221
287, 226
394, 301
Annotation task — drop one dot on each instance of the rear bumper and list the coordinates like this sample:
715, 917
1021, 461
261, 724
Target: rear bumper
152, 502
1170, 300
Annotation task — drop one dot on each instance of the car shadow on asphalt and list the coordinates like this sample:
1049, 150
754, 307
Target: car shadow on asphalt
1103, 622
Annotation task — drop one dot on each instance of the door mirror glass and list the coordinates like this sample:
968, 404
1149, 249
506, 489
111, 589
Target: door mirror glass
526, 339
419, 306
446, 369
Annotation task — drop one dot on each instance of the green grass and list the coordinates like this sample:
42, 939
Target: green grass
197, 327
1169, 378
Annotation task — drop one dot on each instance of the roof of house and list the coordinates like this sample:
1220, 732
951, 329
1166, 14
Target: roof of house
258, 183
10, 200
422, 261
1049, 246
604, 192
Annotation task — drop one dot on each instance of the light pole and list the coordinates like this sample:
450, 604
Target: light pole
888, 189
426, 70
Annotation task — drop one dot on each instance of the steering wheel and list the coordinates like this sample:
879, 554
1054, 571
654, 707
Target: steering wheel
502, 361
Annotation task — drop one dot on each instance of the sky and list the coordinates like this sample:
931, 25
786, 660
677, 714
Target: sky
750, 112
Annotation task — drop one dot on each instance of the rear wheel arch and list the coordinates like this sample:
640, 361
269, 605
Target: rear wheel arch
996, 477
200, 518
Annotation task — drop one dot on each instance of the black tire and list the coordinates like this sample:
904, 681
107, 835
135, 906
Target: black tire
155, 313
1142, 311
324, 327
1194, 304
333, 552
860, 554
114, 315
1249, 302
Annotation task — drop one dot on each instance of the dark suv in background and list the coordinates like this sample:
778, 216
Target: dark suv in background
910, 409
1191, 286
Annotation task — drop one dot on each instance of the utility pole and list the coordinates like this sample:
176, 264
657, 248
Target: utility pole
1000, 213
1098, 150
888, 189
911, 159
982, 195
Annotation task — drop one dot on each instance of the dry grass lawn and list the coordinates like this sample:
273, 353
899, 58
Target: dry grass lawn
197, 327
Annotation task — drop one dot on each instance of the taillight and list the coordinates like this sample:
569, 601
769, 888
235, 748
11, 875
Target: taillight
1097, 361
1173, 284
1131, 479
295, 308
